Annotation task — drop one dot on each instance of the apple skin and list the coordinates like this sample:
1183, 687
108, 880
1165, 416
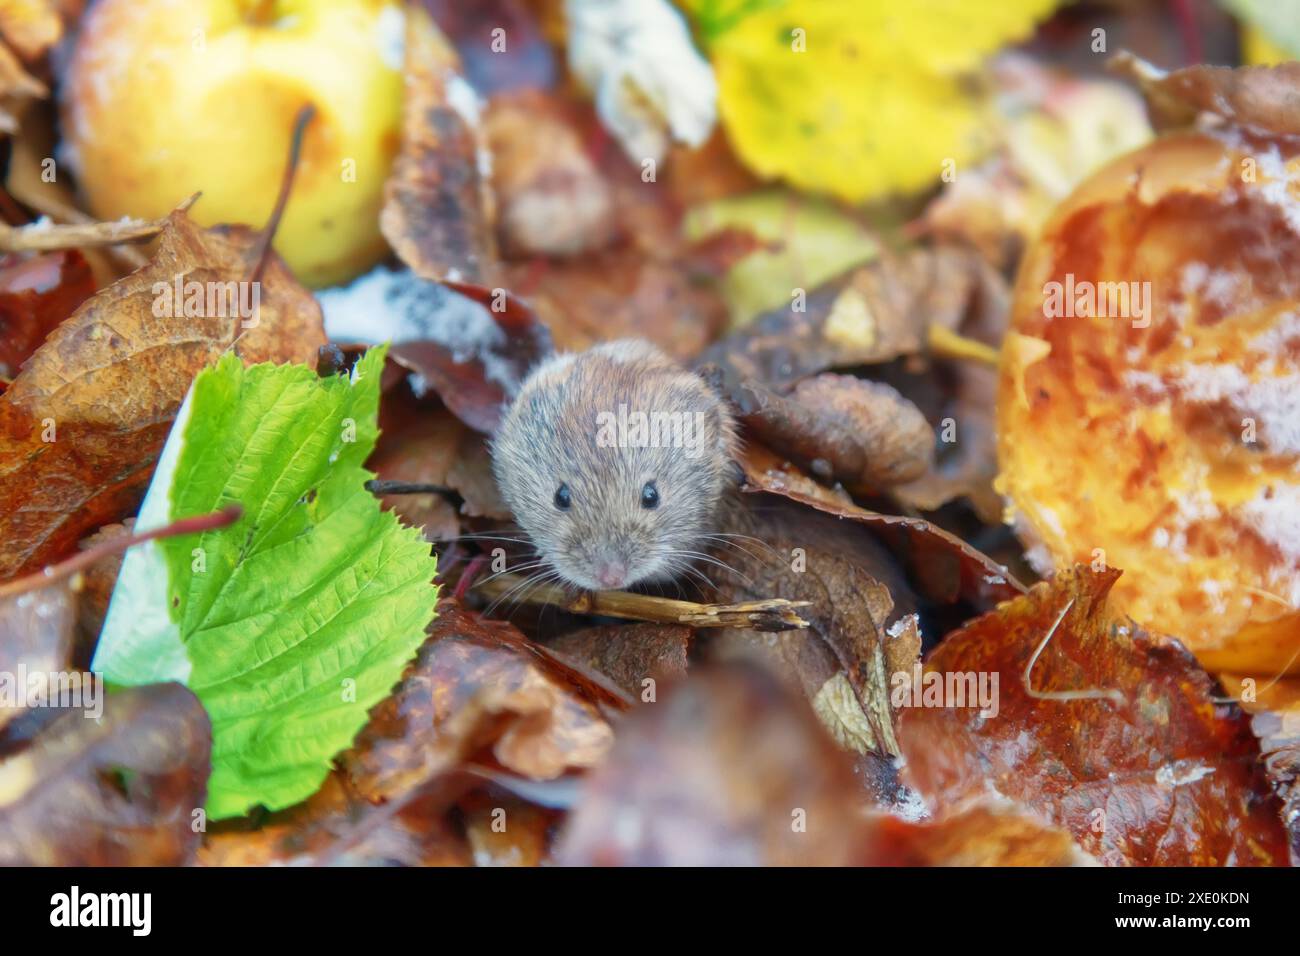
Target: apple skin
165, 98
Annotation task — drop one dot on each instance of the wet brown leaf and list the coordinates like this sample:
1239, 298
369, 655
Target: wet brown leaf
1154, 773
82, 424
728, 769
479, 686
119, 791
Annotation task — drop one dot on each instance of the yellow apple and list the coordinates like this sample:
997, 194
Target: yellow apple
165, 98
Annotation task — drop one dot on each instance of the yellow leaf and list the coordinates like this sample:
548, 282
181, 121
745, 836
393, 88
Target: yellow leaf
857, 98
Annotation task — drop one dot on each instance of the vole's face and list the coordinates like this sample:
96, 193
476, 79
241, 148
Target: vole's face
610, 498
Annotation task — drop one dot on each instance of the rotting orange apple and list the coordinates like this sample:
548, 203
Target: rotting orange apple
164, 98
1149, 399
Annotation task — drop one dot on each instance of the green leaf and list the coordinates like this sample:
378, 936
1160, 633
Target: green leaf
294, 621
809, 241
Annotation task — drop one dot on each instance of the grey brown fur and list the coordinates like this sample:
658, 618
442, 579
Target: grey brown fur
549, 437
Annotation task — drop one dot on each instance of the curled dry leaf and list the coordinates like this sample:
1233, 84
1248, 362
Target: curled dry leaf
35, 635
1143, 769
118, 791
982, 832
967, 464
36, 294
629, 654
729, 768
480, 686
863, 434
82, 424
941, 566
437, 211
1260, 97
875, 313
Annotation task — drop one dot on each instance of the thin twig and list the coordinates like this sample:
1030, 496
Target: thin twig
773, 614
81, 561
49, 237
300, 122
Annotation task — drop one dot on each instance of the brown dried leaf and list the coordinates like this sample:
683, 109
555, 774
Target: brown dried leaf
940, 565
106, 385
438, 211
1153, 773
479, 686
862, 434
118, 791
474, 361
842, 662
727, 769
873, 314
97, 587
623, 293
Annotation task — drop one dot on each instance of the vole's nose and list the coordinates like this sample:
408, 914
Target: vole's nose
611, 574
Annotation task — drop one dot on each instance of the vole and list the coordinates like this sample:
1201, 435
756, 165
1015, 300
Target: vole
615, 462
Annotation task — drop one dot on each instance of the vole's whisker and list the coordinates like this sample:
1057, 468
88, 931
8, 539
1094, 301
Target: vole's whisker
522, 586
708, 559
724, 536
721, 542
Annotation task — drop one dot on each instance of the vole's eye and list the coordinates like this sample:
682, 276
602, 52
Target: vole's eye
649, 495
562, 498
